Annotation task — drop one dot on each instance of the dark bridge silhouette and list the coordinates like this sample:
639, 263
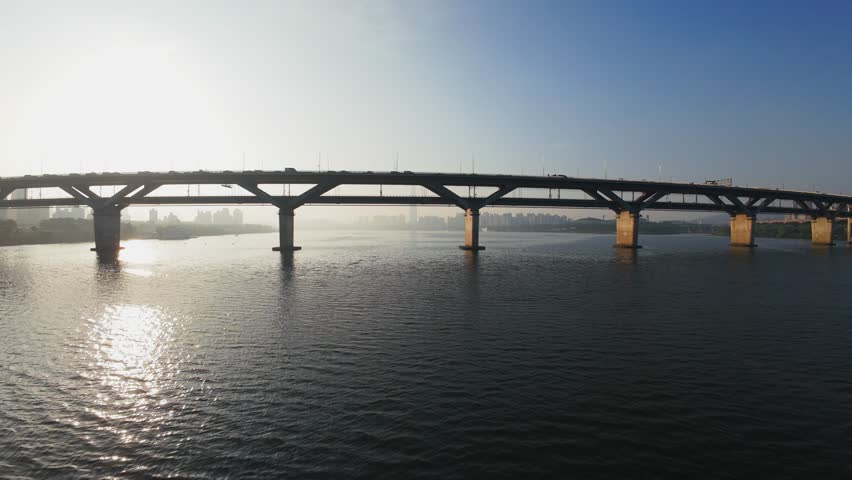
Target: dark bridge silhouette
627, 198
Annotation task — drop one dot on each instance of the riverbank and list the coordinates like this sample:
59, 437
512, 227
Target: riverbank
81, 231
789, 230
66, 230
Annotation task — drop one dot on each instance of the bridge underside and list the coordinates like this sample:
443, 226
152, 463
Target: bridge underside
628, 199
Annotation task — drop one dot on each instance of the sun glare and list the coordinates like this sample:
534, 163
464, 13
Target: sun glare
139, 253
129, 344
126, 107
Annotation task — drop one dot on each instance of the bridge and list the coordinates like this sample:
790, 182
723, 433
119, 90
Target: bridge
627, 198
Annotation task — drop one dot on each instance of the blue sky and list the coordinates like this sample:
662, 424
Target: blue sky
757, 91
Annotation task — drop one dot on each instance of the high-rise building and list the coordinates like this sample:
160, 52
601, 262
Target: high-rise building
222, 217
238, 216
72, 212
172, 219
28, 217
153, 215
203, 217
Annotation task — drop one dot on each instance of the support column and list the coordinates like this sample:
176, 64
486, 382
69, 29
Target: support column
471, 230
849, 230
742, 230
627, 230
286, 217
107, 231
821, 231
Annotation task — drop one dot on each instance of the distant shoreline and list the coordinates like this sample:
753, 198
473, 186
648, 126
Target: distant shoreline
77, 242
81, 231
789, 231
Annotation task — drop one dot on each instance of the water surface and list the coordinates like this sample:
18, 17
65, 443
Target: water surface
384, 355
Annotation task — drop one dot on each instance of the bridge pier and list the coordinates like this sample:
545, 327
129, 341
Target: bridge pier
286, 221
107, 231
471, 230
742, 230
821, 231
849, 231
627, 230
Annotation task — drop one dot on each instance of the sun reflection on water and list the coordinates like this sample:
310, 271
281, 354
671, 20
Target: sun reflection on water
136, 256
130, 361
139, 252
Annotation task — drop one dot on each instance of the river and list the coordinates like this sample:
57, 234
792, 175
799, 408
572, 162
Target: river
396, 355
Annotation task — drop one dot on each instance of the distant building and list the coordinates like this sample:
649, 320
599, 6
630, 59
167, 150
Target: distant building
31, 217
223, 217
27, 217
204, 218
73, 212
489, 219
389, 220
171, 219
153, 216
431, 223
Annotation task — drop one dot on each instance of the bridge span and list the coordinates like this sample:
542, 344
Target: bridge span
627, 198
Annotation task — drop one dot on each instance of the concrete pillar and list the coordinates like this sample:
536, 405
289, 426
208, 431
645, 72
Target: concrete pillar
742, 230
286, 217
821, 231
471, 230
627, 230
849, 230
107, 231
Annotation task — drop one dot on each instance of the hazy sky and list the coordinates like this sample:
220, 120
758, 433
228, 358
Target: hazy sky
757, 91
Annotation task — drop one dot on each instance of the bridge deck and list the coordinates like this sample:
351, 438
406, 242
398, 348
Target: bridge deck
137, 189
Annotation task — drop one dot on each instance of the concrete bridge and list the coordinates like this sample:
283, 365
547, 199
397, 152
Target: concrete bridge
627, 198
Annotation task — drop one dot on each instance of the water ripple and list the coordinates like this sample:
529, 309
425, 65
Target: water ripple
370, 356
